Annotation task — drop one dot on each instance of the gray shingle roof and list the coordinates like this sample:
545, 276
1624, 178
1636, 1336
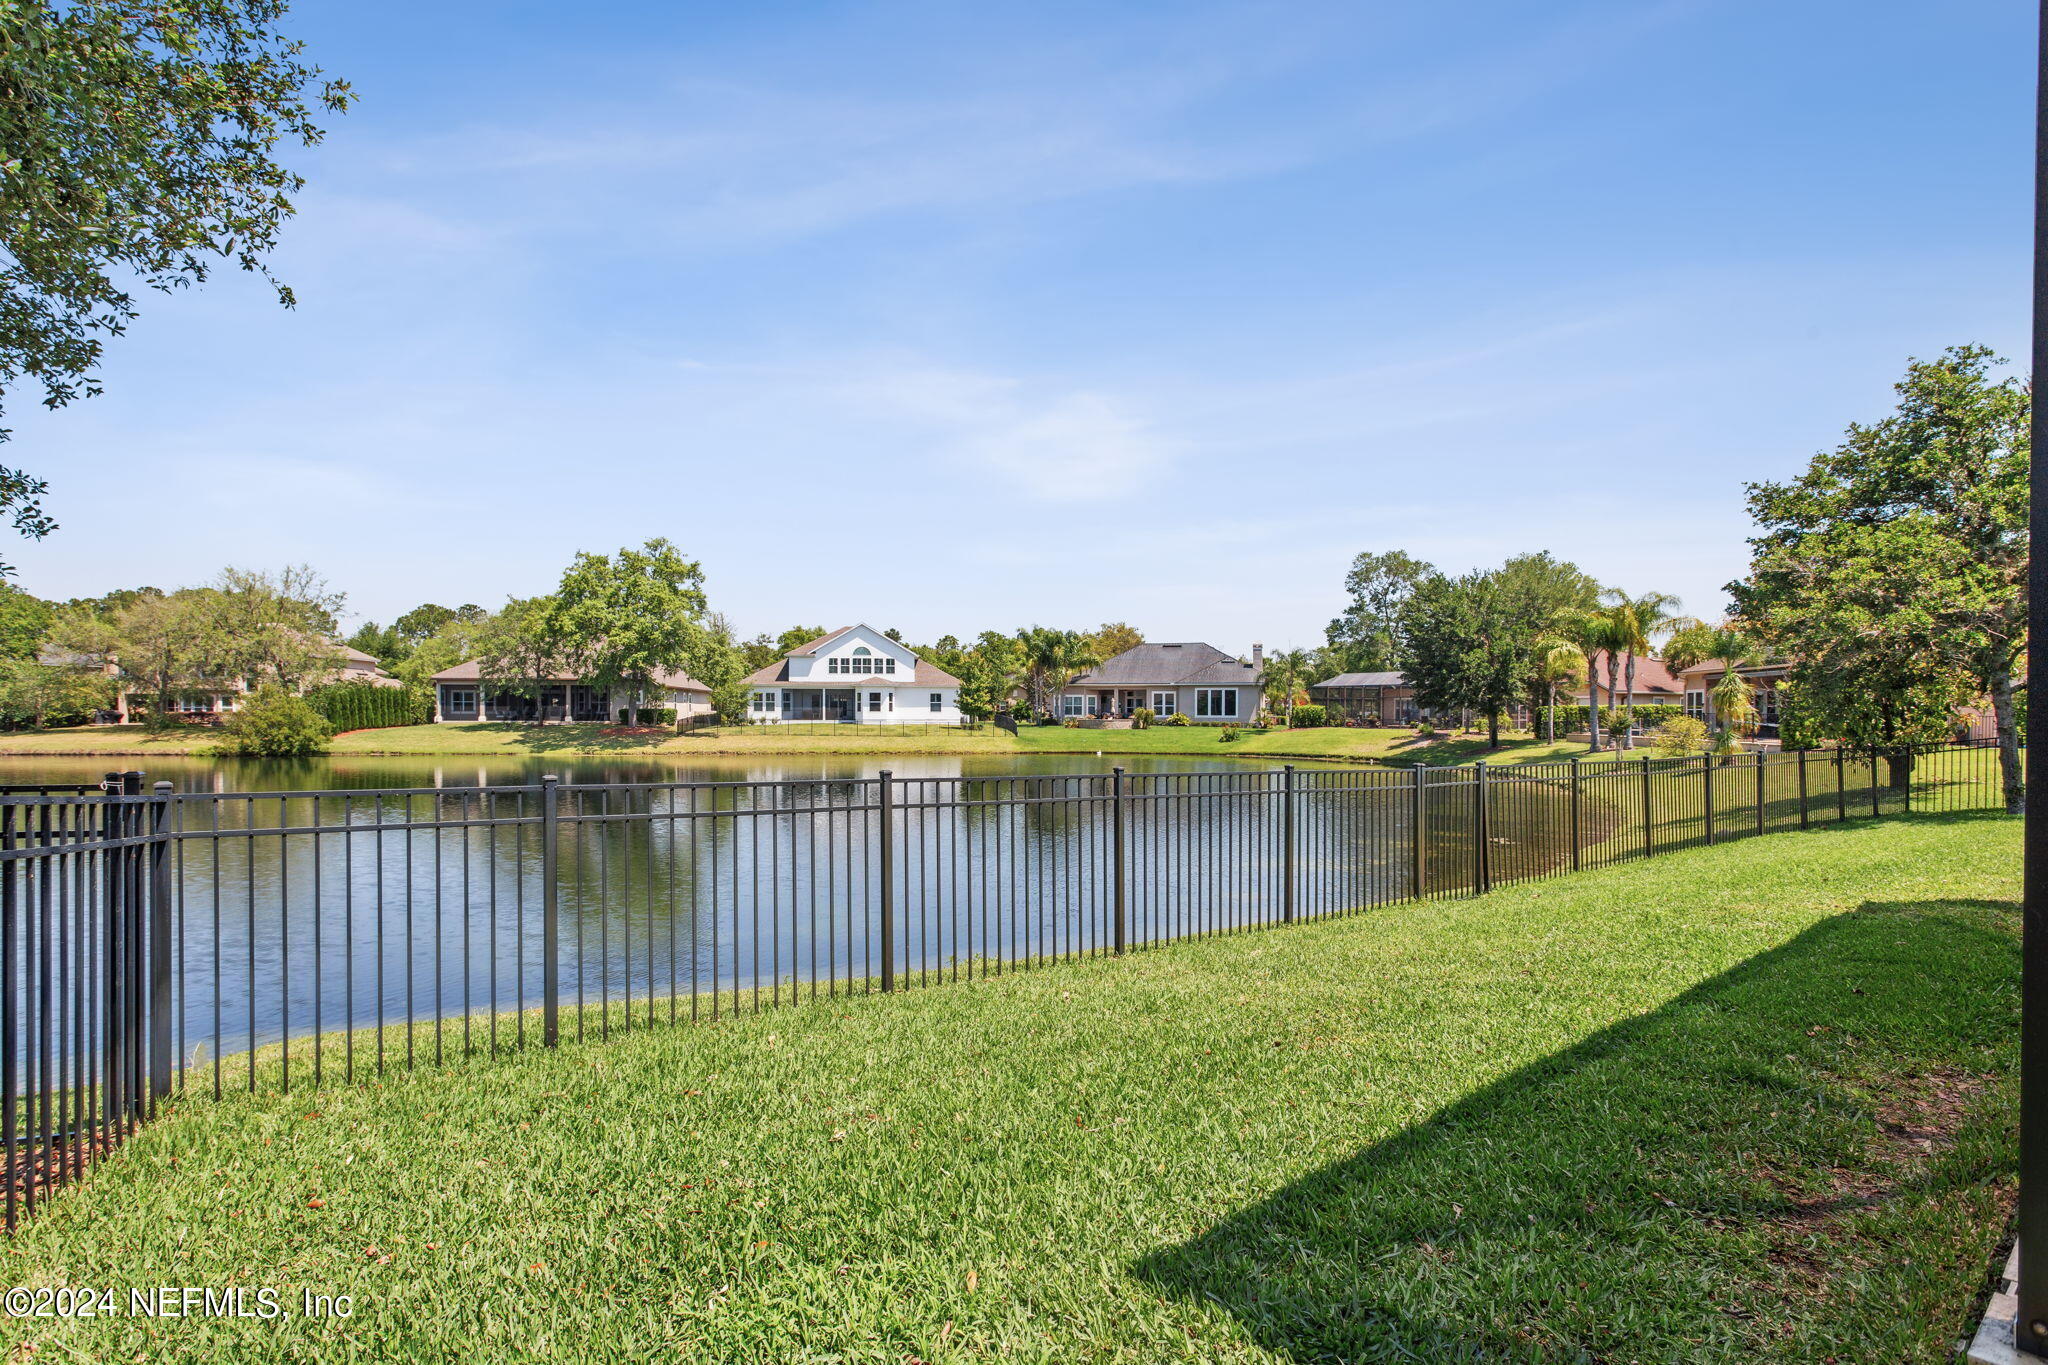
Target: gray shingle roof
1364, 680
1188, 664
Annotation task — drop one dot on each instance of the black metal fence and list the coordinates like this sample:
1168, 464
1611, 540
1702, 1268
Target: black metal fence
157, 941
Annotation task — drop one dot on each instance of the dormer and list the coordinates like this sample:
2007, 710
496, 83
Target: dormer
860, 662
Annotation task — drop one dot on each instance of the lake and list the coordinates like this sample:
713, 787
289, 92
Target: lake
398, 906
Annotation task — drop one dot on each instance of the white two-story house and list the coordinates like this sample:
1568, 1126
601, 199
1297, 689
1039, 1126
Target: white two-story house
855, 675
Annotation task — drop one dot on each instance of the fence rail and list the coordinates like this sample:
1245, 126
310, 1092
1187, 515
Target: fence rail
157, 941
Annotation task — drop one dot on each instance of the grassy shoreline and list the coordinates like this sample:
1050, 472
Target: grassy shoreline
1399, 748
1650, 1113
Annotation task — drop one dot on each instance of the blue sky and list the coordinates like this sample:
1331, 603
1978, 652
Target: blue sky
961, 316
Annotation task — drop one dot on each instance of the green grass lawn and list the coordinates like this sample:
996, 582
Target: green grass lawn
1753, 1103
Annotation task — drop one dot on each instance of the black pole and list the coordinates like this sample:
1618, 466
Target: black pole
1287, 842
887, 860
551, 908
161, 1001
1118, 877
2031, 1329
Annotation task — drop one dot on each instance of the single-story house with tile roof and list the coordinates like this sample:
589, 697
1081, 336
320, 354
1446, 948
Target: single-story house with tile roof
1191, 679
460, 693
1369, 698
855, 675
1656, 684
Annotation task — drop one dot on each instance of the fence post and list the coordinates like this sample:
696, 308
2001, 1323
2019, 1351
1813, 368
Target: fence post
1578, 800
1649, 836
1707, 793
1805, 822
1760, 756
1287, 865
10, 1076
1418, 823
160, 1005
1841, 786
130, 932
1479, 869
1118, 816
888, 865
113, 882
550, 910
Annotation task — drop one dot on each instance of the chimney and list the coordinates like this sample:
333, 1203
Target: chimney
1258, 655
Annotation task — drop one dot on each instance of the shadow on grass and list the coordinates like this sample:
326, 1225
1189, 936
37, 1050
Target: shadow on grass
579, 737
1635, 1196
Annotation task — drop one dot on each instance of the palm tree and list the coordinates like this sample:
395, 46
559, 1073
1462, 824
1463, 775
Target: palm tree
1592, 631
1050, 660
1637, 624
1729, 701
1559, 661
1286, 670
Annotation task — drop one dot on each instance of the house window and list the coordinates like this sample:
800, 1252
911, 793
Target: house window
938, 701
874, 701
1215, 701
764, 701
1071, 705
462, 699
1696, 705
1766, 699
1163, 703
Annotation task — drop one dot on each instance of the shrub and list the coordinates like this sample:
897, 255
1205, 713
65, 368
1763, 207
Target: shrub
366, 706
1425, 728
1071, 723
1178, 718
1310, 717
1679, 736
1569, 720
1232, 733
657, 715
275, 724
1658, 714
1142, 718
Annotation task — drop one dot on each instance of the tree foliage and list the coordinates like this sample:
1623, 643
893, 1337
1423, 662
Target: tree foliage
274, 722
623, 620
521, 650
1113, 638
33, 695
138, 148
1367, 636
1935, 492
1468, 644
1861, 612
1047, 660
25, 623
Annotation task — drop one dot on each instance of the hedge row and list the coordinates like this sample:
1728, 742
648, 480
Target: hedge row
366, 706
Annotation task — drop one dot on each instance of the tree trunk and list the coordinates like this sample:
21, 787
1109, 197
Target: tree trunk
1899, 769
1493, 729
1593, 700
1611, 693
2011, 769
1628, 729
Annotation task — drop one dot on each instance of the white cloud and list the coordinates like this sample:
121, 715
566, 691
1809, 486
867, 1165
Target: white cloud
1078, 445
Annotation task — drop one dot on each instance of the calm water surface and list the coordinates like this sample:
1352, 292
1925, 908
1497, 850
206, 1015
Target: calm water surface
420, 916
